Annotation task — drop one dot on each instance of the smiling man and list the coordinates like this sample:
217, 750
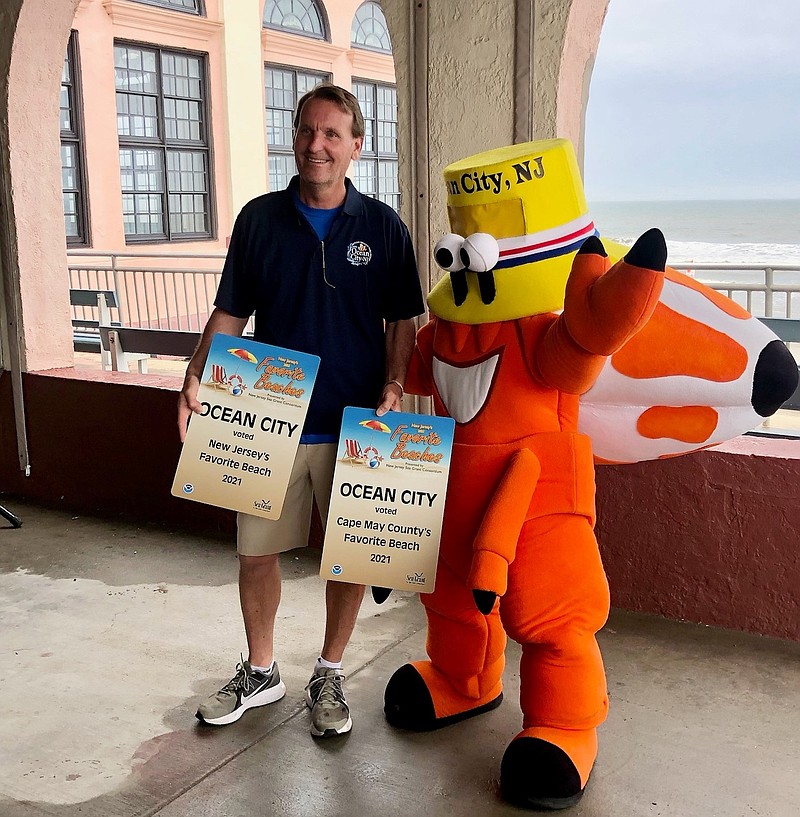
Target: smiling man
325, 143
329, 272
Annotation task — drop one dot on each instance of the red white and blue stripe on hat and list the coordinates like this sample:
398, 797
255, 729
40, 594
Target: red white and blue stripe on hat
526, 249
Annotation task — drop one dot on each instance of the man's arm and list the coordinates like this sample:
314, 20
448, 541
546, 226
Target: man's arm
399, 346
219, 322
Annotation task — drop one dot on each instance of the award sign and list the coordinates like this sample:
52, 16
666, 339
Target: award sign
385, 518
239, 451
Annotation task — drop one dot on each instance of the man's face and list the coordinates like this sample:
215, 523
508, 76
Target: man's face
324, 144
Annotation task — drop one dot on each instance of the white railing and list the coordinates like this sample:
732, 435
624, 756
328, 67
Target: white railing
177, 291
763, 290
156, 291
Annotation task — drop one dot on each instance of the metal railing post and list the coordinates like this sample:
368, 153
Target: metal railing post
768, 284
123, 310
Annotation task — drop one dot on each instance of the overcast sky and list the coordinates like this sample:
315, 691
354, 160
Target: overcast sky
695, 99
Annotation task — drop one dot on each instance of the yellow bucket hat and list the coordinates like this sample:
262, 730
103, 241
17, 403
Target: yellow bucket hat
529, 199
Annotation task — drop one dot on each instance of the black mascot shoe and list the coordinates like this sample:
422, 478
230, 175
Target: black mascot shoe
407, 703
536, 774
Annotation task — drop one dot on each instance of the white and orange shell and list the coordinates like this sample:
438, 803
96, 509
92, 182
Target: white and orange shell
683, 383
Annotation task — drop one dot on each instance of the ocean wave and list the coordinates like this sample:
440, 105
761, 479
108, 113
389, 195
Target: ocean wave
700, 252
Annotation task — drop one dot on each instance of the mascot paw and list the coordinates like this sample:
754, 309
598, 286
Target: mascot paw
484, 600
409, 701
380, 594
536, 774
548, 768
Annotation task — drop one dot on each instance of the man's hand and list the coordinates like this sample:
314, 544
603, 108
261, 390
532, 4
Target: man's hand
218, 322
188, 403
399, 346
390, 398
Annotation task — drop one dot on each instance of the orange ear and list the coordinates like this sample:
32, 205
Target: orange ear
602, 310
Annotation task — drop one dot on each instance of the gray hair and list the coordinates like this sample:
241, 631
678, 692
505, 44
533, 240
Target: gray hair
340, 97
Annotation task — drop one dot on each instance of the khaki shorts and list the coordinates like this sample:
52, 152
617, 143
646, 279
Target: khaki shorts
312, 476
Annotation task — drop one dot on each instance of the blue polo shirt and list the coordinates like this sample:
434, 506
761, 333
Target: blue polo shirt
326, 297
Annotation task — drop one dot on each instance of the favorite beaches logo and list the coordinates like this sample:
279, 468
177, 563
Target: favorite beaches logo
416, 578
411, 444
279, 375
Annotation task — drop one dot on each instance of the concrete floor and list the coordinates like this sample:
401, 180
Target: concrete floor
113, 633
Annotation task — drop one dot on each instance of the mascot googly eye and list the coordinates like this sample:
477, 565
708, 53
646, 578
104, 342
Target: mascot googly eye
480, 254
447, 252
477, 253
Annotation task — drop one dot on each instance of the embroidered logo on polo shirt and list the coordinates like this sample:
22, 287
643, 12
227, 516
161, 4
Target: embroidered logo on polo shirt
359, 253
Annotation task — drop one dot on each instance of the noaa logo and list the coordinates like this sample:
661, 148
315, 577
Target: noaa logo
359, 253
337, 570
188, 488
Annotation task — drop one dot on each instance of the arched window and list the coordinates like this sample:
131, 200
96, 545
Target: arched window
295, 16
369, 29
192, 6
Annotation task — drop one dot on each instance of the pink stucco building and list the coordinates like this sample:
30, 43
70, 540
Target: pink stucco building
175, 112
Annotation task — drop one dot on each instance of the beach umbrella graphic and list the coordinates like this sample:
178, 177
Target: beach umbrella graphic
242, 354
375, 425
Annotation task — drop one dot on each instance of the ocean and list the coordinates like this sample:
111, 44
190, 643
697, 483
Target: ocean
736, 232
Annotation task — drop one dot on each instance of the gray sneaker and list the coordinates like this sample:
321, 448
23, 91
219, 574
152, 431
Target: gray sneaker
247, 689
330, 714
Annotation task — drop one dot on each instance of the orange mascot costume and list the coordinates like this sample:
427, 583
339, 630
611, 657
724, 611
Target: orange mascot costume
518, 553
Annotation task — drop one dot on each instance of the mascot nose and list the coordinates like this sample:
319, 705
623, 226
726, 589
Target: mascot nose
774, 380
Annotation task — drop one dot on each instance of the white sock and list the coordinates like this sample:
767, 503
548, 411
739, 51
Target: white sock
323, 664
265, 670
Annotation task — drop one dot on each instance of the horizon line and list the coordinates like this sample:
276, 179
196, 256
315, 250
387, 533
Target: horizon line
691, 199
